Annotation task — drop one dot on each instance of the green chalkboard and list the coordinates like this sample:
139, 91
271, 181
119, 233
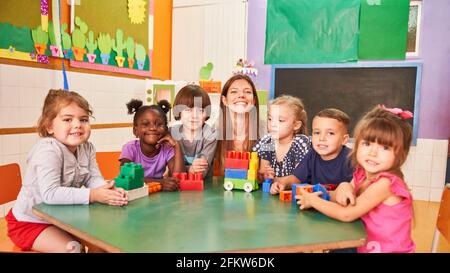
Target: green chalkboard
353, 88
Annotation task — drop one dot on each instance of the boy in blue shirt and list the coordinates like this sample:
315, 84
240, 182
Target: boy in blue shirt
328, 161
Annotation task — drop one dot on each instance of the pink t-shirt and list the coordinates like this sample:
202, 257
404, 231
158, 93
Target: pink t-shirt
388, 227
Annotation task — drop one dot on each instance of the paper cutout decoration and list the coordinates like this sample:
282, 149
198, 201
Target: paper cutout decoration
118, 45
136, 11
44, 15
383, 30
40, 38
11, 53
55, 46
305, 31
205, 71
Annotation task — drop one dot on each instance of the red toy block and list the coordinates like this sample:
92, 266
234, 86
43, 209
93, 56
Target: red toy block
190, 182
231, 163
329, 187
286, 196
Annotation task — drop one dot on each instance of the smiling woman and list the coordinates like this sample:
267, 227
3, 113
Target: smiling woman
239, 121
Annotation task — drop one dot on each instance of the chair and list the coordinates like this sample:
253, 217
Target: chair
108, 163
443, 220
10, 183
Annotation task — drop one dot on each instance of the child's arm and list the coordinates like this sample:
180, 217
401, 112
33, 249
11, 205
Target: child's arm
205, 160
95, 177
265, 170
368, 200
344, 194
109, 194
282, 183
176, 163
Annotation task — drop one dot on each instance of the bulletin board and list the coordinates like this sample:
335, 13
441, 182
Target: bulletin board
115, 36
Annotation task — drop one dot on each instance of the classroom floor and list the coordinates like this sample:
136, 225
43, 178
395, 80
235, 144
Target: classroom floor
425, 215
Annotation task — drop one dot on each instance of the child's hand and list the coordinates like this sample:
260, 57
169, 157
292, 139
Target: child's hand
305, 198
108, 194
199, 165
345, 195
269, 172
276, 187
168, 139
170, 184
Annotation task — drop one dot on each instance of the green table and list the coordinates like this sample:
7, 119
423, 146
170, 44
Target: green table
204, 221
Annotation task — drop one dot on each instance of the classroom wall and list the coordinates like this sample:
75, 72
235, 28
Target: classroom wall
256, 41
425, 168
434, 117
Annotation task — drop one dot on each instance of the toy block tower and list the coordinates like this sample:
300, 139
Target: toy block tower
131, 179
241, 171
190, 181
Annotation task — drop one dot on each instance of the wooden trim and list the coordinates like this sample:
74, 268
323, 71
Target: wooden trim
29, 130
304, 248
111, 125
56, 64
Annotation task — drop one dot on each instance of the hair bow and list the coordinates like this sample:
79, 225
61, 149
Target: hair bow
404, 114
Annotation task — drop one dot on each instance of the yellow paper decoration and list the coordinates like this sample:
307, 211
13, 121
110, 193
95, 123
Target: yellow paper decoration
136, 11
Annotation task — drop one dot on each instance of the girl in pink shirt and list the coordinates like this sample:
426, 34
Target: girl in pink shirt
377, 193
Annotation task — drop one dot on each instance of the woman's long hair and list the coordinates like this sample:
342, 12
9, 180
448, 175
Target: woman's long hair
252, 132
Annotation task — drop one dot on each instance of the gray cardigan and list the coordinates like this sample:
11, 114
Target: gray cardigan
55, 176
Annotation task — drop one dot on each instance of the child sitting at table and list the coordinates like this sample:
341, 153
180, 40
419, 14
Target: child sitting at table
155, 149
286, 144
58, 166
192, 106
377, 193
327, 162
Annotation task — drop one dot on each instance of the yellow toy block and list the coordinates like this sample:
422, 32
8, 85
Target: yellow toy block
253, 165
252, 174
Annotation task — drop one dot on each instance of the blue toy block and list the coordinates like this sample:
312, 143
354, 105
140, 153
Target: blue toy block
319, 187
266, 185
294, 192
236, 173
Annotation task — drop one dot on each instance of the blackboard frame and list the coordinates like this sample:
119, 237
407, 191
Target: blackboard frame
388, 64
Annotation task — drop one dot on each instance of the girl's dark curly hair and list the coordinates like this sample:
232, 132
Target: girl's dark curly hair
136, 106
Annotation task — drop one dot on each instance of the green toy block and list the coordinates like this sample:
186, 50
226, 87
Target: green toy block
131, 176
241, 184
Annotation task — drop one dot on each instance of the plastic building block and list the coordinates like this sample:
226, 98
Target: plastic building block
294, 192
330, 187
285, 196
266, 185
319, 187
311, 188
241, 184
252, 174
154, 187
306, 187
138, 193
131, 176
190, 181
236, 160
236, 173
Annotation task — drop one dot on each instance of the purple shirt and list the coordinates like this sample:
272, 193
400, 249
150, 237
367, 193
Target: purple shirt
154, 167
